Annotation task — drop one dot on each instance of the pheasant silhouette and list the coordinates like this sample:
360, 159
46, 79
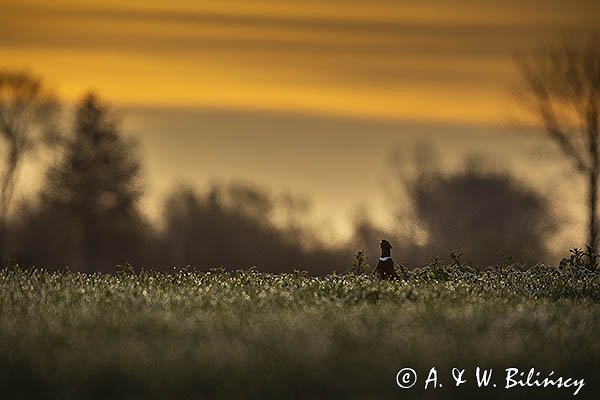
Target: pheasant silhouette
385, 267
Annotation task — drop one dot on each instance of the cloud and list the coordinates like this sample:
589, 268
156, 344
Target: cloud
390, 58
139, 29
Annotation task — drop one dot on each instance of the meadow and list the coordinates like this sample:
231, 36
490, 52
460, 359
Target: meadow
246, 334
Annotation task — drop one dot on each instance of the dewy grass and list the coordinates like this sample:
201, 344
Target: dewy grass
254, 335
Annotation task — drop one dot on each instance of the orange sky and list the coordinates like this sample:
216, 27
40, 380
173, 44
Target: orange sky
312, 84
391, 59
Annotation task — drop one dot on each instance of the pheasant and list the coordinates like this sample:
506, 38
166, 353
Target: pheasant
385, 267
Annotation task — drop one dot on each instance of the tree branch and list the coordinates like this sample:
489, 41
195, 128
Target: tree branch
561, 137
538, 80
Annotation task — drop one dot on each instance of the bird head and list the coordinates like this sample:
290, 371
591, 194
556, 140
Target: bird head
385, 244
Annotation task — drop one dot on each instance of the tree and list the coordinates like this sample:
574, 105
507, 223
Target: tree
478, 210
485, 214
96, 186
236, 226
563, 91
27, 120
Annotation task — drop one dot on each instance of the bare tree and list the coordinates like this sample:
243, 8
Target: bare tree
563, 91
27, 116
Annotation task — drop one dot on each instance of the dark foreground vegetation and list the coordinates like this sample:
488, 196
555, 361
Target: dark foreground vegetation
247, 334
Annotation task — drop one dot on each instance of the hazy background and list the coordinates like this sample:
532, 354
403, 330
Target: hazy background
307, 97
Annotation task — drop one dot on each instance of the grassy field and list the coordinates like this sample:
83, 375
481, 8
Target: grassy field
252, 335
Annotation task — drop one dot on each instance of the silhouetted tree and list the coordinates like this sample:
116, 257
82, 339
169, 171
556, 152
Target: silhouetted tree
478, 210
563, 90
27, 121
235, 226
95, 189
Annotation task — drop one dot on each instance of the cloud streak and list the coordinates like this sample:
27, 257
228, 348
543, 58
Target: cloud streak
387, 59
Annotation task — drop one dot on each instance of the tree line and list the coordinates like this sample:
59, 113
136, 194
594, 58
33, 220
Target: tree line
86, 215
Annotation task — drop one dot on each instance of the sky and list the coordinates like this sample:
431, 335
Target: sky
309, 97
